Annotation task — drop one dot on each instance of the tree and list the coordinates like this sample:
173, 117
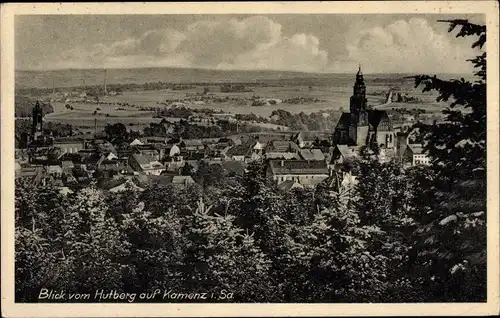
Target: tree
458, 146
449, 254
220, 255
117, 132
93, 244
187, 170
331, 257
209, 175
38, 215
156, 246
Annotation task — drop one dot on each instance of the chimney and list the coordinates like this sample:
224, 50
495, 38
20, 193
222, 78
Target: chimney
282, 163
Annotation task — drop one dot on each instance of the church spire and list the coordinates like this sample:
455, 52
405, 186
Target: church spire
359, 70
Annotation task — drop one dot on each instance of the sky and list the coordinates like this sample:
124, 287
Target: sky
331, 43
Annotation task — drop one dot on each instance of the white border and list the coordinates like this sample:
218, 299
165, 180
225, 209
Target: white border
10, 309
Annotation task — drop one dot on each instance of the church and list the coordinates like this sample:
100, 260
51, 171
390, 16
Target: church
363, 126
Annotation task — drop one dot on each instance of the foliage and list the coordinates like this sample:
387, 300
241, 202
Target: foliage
219, 255
24, 106
450, 242
317, 121
116, 132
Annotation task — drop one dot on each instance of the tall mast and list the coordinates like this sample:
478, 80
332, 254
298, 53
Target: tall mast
105, 91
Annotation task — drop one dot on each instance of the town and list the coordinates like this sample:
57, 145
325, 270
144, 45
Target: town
293, 158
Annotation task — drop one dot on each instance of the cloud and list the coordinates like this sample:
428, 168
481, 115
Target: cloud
411, 46
300, 52
254, 42
257, 42
211, 43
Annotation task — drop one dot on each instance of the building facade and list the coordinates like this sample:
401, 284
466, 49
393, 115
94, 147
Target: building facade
363, 126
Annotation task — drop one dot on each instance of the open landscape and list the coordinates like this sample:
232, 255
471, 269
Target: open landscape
290, 91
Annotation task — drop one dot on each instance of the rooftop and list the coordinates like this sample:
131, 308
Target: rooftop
312, 154
282, 146
305, 167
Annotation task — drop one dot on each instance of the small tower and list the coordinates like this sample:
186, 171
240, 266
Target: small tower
358, 99
358, 121
37, 125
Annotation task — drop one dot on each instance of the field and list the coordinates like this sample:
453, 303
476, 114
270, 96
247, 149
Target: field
332, 90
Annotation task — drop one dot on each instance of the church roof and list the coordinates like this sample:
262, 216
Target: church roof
345, 151
375, 117
344, 121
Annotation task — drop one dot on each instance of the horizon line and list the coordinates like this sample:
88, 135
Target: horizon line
220, 70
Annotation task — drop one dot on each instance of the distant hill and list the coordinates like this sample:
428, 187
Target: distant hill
74, 77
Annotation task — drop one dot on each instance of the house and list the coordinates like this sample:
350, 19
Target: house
306, 139
110, 156
136, 142
174, 164
281, 146
87, 153
35, 175
174, 151
105, 147
93, 162
147, 150
17, 167
237, 153
123, 154
191, 145
415, 155
111, 165
67, 165
256, 149
68, 145
125, 185
307, 173
341, 154
156, 140
54, 170
281, 149
177, 181
340, 181
311, 154
226, 142
145, 164
65, 190
289, 185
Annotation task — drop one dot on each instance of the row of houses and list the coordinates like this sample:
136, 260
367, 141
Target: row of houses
292, 159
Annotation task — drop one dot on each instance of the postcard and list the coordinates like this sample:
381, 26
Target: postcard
250, 159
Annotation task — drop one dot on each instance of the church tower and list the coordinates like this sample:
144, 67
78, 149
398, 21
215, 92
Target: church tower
36, 127
358, 123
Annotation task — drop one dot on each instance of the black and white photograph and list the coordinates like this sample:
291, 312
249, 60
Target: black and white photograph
264, 158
